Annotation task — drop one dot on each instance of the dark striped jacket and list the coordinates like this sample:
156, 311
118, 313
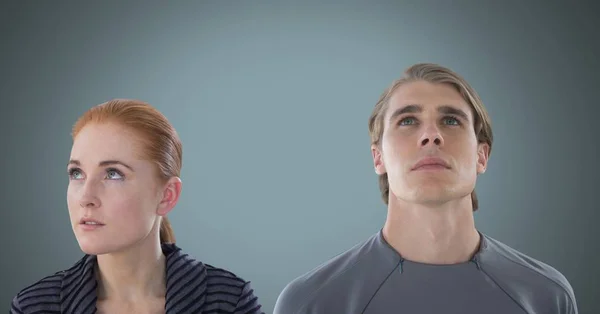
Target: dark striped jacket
192, 287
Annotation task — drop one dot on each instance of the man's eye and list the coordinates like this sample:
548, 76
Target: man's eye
407, 121
451, 121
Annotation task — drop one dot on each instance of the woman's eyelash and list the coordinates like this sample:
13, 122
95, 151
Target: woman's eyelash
72, 172
109, 170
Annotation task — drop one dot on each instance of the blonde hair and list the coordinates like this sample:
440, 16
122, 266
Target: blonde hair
160, 140
432, 73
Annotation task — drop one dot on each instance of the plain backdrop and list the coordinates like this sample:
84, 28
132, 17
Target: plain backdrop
271, 100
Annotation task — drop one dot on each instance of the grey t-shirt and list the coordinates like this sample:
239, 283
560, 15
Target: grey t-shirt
373, 278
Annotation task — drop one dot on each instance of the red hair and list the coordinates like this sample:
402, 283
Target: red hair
160, 140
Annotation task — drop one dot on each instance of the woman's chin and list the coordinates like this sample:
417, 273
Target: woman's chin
94, 248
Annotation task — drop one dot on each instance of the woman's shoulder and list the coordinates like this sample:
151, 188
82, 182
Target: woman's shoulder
218, 277
181, 264
227, 290
179, 261
45, 293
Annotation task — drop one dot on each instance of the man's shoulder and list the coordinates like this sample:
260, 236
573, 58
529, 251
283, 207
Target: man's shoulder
344, 274
530, 281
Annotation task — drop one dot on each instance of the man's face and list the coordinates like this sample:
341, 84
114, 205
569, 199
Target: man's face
429, 149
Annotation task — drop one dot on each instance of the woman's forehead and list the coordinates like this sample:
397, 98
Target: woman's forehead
96, 142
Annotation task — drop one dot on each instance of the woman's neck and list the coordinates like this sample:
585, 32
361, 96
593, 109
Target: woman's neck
135, 273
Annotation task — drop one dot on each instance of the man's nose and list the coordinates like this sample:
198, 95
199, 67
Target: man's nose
431, 135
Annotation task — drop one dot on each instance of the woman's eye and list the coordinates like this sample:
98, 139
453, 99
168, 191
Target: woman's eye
114, 174
75, 174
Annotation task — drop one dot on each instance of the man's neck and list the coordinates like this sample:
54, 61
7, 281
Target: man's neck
440, 234
133, 274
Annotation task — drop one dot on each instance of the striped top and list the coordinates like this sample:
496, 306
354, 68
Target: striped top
192, 287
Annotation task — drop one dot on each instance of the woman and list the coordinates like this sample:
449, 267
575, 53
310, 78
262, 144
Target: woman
123, 181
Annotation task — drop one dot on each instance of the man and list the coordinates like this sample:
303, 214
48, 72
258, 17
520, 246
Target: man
431, 137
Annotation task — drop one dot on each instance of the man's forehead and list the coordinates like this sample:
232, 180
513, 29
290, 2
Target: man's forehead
427, 97
426, 93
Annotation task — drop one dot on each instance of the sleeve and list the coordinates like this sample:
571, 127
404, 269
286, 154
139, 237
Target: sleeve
573, 305
15, 307
568, 297
248, 302
287, 302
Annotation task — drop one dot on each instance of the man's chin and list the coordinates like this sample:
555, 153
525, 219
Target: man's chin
431, 194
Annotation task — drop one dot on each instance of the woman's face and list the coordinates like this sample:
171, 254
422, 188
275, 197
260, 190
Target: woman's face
114, 195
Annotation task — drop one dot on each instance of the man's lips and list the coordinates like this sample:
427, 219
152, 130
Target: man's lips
431, 163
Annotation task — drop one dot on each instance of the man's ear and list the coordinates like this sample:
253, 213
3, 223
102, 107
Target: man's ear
170, 196
377, 159
483, 154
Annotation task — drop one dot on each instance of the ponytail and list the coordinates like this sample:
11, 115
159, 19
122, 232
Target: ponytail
166, 231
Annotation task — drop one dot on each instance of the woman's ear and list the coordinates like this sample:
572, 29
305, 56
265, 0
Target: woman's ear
170, 196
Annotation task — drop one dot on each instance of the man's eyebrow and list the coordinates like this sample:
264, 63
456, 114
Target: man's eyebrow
447, 109
404, 110
414, 108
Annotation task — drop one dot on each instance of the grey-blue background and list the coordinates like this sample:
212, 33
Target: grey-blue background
271, 100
